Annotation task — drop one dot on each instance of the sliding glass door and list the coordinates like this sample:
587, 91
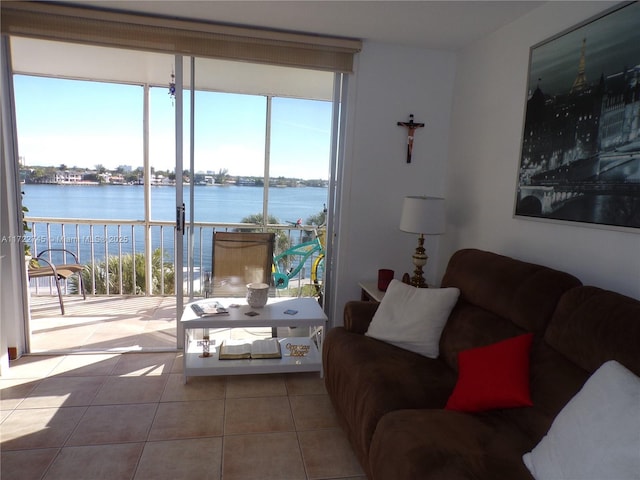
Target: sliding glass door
254, 160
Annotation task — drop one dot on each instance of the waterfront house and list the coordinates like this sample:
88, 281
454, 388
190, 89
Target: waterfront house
468, 86
64, 177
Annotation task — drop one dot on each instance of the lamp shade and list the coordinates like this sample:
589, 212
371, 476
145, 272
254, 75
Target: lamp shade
423, 215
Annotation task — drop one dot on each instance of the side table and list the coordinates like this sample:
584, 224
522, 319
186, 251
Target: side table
370, 291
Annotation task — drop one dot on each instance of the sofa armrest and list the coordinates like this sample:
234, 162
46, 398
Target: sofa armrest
358, 315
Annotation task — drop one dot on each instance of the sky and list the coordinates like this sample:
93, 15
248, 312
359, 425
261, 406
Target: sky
84, 124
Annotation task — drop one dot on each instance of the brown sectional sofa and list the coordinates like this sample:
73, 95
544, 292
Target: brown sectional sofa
391, 401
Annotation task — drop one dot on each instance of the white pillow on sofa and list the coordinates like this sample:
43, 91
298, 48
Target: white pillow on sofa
413, 318
597, 434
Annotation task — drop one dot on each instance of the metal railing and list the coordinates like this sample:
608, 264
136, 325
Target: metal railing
106, 246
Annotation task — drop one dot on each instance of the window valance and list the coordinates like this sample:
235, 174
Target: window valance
167, 35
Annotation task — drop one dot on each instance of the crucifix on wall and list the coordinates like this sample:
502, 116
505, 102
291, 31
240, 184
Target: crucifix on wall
412, 127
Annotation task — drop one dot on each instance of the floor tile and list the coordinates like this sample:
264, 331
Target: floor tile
144, 364
198, 388
39, 428
111, 342
157, 334
14, 390
87, 365
145, 423
263, 456
255, 386
62, 337
313, 411
114, 335
308, 383
121, 390
26, 464
32, 366
199, 458
63, 392
178, 364
188, 420
327, 454
257, 415
96, 462
114, 424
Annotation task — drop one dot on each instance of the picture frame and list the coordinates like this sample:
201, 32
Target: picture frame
580, 149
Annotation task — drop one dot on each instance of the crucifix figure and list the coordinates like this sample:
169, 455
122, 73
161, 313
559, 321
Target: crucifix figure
412, 126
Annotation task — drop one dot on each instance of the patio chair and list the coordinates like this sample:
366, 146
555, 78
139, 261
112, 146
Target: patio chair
240, 258
42, 268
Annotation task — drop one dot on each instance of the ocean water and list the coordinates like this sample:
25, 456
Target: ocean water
229, 204
212, 204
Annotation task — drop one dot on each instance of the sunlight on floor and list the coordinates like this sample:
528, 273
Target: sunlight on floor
103, 324
112, 324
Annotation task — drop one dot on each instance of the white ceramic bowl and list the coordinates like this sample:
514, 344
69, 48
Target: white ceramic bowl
257, 294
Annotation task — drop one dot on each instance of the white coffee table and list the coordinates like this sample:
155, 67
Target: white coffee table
310, 314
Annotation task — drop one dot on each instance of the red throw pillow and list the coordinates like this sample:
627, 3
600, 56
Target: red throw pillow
495, 376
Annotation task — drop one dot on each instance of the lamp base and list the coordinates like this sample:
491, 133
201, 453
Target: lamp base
419, 260
418, 280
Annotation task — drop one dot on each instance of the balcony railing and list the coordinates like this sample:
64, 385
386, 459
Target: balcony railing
147, 245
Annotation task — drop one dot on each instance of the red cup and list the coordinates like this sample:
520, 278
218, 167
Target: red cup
384, 278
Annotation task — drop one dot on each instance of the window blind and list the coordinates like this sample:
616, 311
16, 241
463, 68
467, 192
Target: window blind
167, 35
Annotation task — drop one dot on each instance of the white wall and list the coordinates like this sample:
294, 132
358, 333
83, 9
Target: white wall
490, 89
391, 82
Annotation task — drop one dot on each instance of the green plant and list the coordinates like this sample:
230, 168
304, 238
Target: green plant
282, 240
25, 228
95, 278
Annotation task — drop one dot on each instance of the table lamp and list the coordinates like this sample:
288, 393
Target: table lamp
423, 215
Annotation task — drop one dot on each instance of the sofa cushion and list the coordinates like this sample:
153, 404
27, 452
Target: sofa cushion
413, 318
524, 293
582, 328
589, 327
495, 376
597, 434
442, 444
500, 297
366, 378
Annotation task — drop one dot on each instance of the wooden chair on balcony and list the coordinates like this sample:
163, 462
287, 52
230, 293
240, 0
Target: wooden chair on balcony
42, 268
240, 258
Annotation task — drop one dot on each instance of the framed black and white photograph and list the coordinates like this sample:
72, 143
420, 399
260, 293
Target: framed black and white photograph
580, 157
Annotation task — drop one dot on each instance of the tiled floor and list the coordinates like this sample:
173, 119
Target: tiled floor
130, 416
102, 414
100, 323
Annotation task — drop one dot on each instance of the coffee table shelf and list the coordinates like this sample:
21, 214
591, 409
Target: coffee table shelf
310, 314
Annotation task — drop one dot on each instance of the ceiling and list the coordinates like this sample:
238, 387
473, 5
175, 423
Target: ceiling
448, 25
439, 25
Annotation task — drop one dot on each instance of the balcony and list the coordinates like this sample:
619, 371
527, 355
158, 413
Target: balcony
94, 240
103, 324
115, 319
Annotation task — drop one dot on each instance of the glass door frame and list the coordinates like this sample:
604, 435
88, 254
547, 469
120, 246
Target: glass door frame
185, 220
180, 205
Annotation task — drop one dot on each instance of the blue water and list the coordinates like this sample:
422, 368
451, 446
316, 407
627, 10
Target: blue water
213, 204
229, 204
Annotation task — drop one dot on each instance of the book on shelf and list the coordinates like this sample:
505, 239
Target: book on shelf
266, 348
209, 309
297, 347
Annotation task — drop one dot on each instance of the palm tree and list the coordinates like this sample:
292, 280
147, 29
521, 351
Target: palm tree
282, 239
222, 176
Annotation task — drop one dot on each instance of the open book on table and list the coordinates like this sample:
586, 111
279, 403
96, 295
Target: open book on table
209, 309
234, 349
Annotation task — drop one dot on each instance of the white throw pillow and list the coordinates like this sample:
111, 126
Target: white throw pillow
597, 434
413, 318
